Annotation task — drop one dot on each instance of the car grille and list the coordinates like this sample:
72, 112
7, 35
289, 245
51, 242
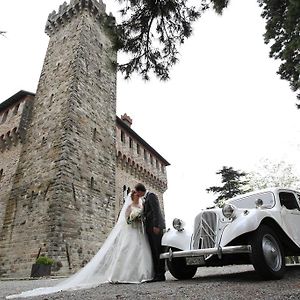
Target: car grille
205, 230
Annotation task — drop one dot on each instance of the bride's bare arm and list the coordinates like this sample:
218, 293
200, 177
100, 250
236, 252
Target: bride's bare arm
127, 212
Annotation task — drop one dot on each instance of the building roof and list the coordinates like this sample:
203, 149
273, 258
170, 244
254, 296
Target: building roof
13, 99
132, 133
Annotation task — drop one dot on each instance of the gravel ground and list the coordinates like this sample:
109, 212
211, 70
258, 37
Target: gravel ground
226, 283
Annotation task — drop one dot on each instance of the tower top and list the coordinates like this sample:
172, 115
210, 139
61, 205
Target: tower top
67, 11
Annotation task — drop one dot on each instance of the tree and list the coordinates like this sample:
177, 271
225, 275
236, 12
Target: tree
273, 174
283, 32
233, 184
152, 31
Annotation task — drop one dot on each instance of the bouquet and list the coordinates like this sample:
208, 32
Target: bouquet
134, 216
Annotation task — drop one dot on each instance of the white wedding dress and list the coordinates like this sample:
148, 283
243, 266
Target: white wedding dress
125, 257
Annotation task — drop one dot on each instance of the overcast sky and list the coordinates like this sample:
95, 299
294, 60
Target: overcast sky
223, 106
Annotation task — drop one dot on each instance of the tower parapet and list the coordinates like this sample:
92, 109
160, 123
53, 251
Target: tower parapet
67, 11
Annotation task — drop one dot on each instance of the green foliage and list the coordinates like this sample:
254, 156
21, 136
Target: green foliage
44, 260
151, 32
233, 184
283, 33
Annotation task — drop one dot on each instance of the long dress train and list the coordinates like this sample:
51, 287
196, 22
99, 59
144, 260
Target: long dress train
125, 257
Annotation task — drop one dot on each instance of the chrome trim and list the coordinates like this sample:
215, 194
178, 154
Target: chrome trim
208, 251
205, 230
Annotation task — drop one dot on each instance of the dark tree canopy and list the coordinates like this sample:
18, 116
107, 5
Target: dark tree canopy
283, 33
152, 31
233, 184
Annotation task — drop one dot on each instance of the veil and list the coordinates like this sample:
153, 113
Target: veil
96, 271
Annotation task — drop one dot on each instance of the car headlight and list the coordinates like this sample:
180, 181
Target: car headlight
178, 224
228, 211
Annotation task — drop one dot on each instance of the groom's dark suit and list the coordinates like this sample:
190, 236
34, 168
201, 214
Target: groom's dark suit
154, 218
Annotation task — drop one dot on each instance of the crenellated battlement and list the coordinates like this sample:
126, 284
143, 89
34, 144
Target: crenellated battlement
10, 139
66, 12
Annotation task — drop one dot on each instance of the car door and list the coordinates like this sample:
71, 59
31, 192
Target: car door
290, 212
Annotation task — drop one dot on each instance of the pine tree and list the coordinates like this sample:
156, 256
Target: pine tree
151, 32
233, 184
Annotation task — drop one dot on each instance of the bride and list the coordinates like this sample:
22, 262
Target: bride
125, 256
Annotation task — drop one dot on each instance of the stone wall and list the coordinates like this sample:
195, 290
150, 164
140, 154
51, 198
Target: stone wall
10, 147
63, 194
136, 162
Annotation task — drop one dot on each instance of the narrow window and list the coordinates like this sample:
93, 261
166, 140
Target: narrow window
122, 136
94, 134
138, 149
1, 174
130, 142
145, 155
51, 99
124, 192
92, 182
151, 159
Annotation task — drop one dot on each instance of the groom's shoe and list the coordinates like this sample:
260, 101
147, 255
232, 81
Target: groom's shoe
156, 279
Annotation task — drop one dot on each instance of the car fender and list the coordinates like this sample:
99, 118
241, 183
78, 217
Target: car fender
246, 222
177, 239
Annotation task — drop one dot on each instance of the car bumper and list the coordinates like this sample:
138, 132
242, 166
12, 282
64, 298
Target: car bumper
201, 252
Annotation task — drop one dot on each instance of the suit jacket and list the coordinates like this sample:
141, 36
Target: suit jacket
152, 211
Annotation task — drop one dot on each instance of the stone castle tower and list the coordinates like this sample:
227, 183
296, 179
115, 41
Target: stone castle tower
63, 192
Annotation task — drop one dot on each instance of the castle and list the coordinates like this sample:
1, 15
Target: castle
66, 159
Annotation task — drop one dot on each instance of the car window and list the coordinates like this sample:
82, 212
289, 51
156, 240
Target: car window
249, 201
288, 200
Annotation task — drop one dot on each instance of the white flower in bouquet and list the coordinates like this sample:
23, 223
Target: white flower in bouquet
134, 216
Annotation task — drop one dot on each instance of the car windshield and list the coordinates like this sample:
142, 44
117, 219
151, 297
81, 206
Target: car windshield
267, 198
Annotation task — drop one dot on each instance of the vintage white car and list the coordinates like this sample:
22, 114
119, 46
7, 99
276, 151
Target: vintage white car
259, 228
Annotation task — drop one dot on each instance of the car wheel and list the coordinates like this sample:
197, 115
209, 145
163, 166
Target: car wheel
179, 269
267, 253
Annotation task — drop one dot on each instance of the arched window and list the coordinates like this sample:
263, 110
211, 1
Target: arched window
4, 117
16, 109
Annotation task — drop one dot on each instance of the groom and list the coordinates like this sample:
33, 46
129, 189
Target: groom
155, 224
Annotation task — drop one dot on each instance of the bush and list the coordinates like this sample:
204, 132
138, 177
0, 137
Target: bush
44, 260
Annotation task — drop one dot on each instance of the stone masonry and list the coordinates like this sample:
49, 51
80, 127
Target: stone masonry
137, 162
66, 160
63, 191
